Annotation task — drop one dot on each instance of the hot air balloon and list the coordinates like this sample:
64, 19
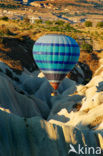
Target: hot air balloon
55, 55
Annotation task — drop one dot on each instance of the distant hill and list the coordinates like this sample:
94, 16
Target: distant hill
75, 3
95, 3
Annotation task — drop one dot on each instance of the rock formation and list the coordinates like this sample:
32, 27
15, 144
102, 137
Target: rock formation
34, 123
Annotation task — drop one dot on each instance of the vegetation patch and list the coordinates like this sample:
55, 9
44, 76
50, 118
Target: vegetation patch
100, 24
88, 24
87, 47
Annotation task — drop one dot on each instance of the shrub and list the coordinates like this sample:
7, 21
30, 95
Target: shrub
55, 28
59, 22
5, 18
67, 26
38, 21
101, 37
99, 24
87, 47
48, 22
4, 30
88, 24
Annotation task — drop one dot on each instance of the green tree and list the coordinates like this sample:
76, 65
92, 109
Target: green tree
99, 24
48, 22
5, 18
38, 21
59, 22
87, 47
88, 24
67, 26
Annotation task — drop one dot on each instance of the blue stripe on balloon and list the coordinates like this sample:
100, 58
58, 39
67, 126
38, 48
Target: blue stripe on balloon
56, 62
56, 44
56, 53
62, 70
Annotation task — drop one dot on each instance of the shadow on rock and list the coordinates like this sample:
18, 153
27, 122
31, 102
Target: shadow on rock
100, 86
19, 50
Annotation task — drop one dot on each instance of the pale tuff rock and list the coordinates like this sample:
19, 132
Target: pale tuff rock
41, 75
34, 136
14, 101
74, 117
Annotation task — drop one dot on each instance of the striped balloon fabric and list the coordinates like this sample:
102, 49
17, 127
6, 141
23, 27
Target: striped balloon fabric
55, 55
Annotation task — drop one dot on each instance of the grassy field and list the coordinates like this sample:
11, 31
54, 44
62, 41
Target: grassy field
20, 28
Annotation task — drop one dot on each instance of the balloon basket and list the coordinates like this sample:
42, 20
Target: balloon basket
54, 93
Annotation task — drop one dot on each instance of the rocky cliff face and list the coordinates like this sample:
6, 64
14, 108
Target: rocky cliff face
34, 123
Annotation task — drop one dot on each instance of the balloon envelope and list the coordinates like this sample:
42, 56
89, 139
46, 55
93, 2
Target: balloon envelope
55, 55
